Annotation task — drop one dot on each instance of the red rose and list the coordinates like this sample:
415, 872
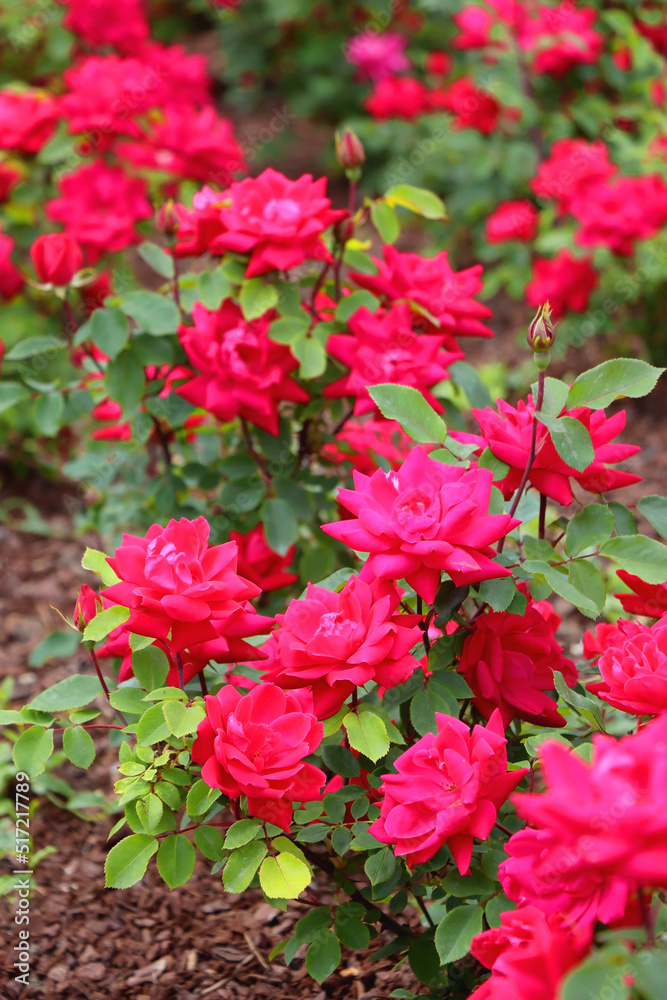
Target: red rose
57, 258
11, 279
565, 282
471, 106
88, 605
573, 165
179, 587
649, 599
633, 665
120, 24
27, 120
448, 789
259, 563
254, 745
398, 97
513, 220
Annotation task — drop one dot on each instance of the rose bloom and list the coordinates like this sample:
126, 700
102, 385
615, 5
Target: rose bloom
529, 955
633, 665
565, 282
435, 286
618, 214
476, 23
471, 106
107, 94
334, 642
509, 661
561, 38
649, 599
9, 178
192, 145
178, 586
423, 520
384, 348
27, 120
254, 745
184, 75
597, 832
57, 258
259, 563
198, 226
119, 24
360, 442
508, 434
100, 207
377, 56
573, 165
278, 222
11, 279
448, 788
397, 97
512, 220
241, 372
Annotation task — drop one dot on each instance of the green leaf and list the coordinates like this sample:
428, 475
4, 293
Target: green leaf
48, 413
431, 699
654, 509
79, 747
498, 594
555, 396
467, 378
649, 969
124, 380
288, 329
74, 691
323, 955
417, 200
600, 975
242, 864
150, 667
11, 393
570, 439
590, 526
109, 330
209, 841
280, 525
341, 761
475, 883
200, 797
126, 863
603, 384
176, 859
182, 720
284, 876
380, 866
241, 832
149, 812
152, 312
157, 258
152, 726
641, 556
559, 582
311, 355
256, 297
487, 460
29, 347
349, 304
455, 932
585, 577
408, 406
55, 644
624, 519
105, 622
96, 562
385, 220
367, 733
33, 749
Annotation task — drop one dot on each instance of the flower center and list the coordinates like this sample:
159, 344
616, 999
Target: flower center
284, 210
334, 623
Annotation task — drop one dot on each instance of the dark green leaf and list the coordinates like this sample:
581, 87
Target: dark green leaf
590, 526
603, 384
176, 859
74, 691
641, 556
152, 312
126, 863
654, 509
570, 439
109, 330
455, 932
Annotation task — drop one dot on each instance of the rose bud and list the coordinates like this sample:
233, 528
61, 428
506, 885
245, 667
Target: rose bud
349, 151
437, 63
87, 606
166, 220
541, 335
57, 258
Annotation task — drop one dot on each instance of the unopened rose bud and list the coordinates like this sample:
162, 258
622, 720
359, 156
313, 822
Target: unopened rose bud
166, 220
541, 331
349, 153
57, 258
343, 230
88, 605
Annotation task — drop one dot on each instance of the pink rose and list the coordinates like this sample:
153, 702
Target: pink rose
178, 586
254, 745
334, 642
423, 520
565, 282
57, 258
11, 279
633, 665
27, 120
512, 220
377, 56
120, 24
448, 790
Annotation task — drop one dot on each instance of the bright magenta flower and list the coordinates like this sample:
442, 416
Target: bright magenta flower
649, 599
120, 24
448, 790
106, 95
100, 207
573, 166
423, 520
254, 745
88, 605
259, 563
385, 348
27, 120
377, 56
471, 106
277, 221
358, 442
509, 661
57, 258
561, 37
241, 372
11, 279
398, 97
508, 434
565, 282
633, 665
512, 220
333, 642
432, 284
529, 955
179, 587
597, 833
9, 178
619, 213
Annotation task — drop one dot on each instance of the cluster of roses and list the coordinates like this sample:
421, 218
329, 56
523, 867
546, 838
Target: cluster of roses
143, 109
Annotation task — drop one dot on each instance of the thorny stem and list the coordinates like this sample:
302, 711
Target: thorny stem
531, 454
316, 287
503, 828
102, 680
